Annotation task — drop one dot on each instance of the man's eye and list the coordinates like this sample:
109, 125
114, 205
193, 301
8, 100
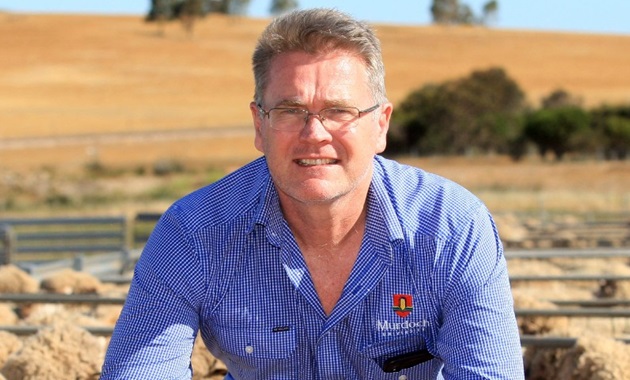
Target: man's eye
339, 113
290, 111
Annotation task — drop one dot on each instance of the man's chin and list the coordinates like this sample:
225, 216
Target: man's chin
317, 196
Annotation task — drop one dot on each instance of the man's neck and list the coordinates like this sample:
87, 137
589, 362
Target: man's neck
326, 227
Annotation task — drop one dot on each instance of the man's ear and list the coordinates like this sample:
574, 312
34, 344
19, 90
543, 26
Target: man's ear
258, 120
383, 126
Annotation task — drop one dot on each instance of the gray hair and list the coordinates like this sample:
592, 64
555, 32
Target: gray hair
314, 31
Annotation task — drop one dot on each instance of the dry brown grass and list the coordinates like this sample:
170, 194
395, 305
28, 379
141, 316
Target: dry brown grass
73, 75
533, 185
89, 74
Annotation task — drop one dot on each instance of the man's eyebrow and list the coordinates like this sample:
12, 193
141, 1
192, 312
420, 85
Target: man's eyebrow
327, 104
337, 103
290, 103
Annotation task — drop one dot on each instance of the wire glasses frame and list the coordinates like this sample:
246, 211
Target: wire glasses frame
294, 119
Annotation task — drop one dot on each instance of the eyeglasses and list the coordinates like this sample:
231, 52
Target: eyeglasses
291, 119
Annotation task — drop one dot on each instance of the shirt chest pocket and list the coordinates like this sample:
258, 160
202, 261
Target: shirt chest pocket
403, 357
258, 353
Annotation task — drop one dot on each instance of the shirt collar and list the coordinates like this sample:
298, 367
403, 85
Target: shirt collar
381, 213
380, 203
268, 212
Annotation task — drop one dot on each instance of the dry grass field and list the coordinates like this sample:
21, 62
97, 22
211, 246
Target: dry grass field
75, 89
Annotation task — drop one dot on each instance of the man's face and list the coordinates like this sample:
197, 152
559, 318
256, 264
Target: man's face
313, 164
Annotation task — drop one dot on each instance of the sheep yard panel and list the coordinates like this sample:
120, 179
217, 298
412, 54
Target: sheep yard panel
62, 242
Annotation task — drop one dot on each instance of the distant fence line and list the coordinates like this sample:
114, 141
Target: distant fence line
117, 138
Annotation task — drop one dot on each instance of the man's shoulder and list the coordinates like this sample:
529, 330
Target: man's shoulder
424, 201
418, 184
225, 199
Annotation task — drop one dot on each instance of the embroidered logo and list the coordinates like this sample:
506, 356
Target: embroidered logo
403, 304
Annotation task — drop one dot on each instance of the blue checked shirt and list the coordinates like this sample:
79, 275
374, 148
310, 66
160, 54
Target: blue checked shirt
430, 275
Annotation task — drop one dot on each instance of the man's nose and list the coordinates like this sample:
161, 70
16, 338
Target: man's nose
314, 127
315, 116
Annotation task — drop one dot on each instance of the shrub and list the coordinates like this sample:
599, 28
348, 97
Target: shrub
165, 167
612, 124
558, 130
479, 112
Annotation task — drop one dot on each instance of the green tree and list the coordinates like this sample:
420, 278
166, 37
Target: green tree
559, 130
612, 125
281, 6
446, 11
234, 7
560, 98
490, 11
617, 133
491, 102
481, 112
414, 120
189, 12
160, 12
454, 12
174, 9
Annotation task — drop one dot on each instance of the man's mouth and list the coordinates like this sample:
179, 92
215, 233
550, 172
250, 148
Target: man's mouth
316, 161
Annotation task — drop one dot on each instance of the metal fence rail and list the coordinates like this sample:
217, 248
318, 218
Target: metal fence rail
60, 298
571, 277
602, 302
67, 242
31, 330
575, 312
555, 341
584, 253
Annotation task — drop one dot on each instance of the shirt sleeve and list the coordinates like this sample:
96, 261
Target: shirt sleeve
155, 333
478, 337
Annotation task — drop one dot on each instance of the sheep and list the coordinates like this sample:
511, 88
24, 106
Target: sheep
60, 351
204, 364
511, 231
69, 281
7, 315
201, 363
15, 280
538, 324
9, 344
110, 313
612, 288
49, 314
593, 357
542, 363
551, 290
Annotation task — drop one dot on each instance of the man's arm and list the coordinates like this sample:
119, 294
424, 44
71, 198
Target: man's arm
479, 336
156, 330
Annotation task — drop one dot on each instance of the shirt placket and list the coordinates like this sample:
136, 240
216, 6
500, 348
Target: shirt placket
365, 276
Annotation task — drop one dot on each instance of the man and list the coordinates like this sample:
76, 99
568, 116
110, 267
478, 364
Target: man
321, 260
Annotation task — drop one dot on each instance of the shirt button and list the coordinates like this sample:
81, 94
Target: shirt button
402, 377
249, 349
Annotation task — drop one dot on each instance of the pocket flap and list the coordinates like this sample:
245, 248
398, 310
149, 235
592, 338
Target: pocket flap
270, 343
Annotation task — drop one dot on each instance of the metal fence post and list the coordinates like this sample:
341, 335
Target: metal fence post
7, 237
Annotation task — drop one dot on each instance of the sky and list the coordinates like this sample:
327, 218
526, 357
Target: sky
582, 16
